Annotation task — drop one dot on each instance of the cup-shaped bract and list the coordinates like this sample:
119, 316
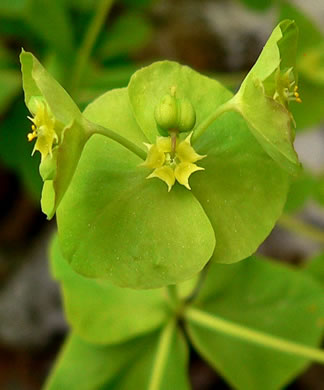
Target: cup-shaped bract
115, 224
264, 95
58, 127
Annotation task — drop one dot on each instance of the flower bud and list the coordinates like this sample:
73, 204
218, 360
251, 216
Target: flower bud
173, 114
186, 115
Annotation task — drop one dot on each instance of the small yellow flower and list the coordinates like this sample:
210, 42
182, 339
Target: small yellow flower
43, 130
286, 88
172, 160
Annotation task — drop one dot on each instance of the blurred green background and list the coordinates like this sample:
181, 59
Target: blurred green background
219, 38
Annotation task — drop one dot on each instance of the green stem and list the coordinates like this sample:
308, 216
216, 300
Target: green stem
162, 355
302, 228
173, 294
244, 333
211, 118
93, 128
85, 49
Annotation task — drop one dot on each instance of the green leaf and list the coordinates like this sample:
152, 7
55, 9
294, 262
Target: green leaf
255, 296
153, 362
85, 366
101, 313
70, 128
315, 267
310, 65
242, 190
268, 119
162, 366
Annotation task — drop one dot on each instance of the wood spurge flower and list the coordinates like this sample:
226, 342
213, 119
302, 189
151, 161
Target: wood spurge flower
286, 87
43, 129
172, 161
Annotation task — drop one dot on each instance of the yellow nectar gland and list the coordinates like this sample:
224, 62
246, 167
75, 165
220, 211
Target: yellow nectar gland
32, 135
296, 94
43, 130
172, 160
293, 95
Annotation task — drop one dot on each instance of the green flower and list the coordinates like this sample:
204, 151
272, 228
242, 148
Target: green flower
171, 165
43, 129
266, 92
58, 128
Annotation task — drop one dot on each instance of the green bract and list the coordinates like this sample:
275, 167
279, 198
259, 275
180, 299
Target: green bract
120, 314
310, 65
265, 93
114, 223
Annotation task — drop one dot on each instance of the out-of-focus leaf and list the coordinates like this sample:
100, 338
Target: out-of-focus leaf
145, 369
86, 366
310, 65
319, 190
17, 29
7, 60
12, 8
257, 294
259, 5
315, 267
15, 150
98, 81
300, 191
138, 3
51, 22
82, 5
10, 82
129, 33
